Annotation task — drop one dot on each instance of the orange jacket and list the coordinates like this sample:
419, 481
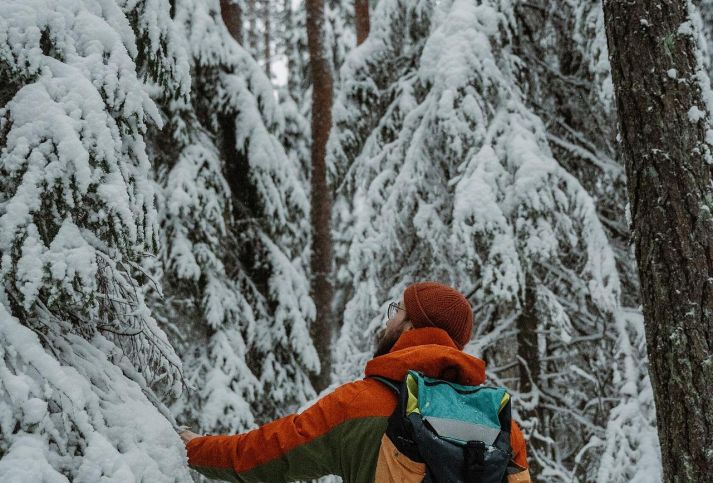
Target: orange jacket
342, 432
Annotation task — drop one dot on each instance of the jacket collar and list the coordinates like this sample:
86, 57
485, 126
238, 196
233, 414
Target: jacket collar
431, 351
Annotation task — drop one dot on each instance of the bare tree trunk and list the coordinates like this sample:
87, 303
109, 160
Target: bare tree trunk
320, 215
289, 25
361, 19
252, 28
527, 343
663, 142
233, 18
529, 367
266, 18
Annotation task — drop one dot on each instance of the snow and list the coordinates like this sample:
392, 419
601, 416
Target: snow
686, 28
30, 269
695, 114
71, 259
629, 435
672, 73
124, 437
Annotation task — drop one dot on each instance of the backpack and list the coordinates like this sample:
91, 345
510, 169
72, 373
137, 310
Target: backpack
461, 433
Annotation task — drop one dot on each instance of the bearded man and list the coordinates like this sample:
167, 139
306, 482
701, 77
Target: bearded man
344, 432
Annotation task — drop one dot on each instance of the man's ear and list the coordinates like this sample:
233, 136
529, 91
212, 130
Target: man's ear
407, 325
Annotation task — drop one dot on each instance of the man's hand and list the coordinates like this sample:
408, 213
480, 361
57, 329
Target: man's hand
186, 436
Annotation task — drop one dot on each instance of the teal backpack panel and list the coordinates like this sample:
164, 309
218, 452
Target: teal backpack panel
460, 413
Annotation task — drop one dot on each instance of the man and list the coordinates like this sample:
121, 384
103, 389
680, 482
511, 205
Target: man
344, 432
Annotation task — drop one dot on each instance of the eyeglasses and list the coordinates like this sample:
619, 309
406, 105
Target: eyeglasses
394, 307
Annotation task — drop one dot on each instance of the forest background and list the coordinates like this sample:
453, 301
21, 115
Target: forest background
206, 207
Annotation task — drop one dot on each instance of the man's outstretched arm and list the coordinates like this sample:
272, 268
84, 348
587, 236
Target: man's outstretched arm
297, 447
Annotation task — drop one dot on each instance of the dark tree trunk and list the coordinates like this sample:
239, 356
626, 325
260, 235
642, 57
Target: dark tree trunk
527, 343
252, 28
361, 19
529, 367
669, 184
233, 18
289, 26
321, 263
266, 14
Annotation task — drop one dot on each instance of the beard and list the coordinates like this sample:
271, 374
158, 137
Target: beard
384, 342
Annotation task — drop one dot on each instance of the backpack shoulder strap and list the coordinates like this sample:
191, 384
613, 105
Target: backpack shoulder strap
390, 383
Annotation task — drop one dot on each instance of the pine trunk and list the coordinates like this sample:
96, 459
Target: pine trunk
663, 142
361, 19
233, 19
266, 37
289, 47
252, 28
528, 355
527, 343
321, 263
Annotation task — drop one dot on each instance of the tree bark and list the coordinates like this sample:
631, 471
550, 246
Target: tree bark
529, 366
527, 349
266, 18
233, 18
289, 25
252, 28
663, 142
361, 19
320, 215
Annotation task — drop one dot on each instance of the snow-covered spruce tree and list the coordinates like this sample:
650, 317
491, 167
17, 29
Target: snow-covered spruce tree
568, 82
80, 348
563, 49
442, 171
234, 217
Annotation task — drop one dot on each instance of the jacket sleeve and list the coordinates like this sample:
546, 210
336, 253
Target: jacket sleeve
518, 472
297, 447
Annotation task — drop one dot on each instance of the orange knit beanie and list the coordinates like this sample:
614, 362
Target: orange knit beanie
432, 304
